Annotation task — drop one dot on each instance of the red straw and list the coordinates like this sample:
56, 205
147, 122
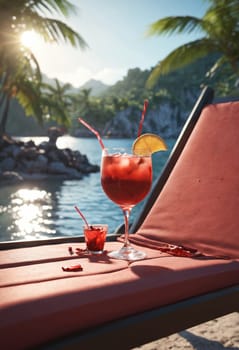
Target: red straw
79, 212
146, 102
92, 130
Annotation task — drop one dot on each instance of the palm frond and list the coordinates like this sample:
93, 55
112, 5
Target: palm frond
61, 6
56, 111
51, 29
47, 87
218, 9
180, 57
220, 62
29, 98
62, 32
57, 88
174, 24
31, 60
54, 30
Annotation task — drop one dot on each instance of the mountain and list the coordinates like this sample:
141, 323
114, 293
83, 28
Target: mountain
52, 82
96, 86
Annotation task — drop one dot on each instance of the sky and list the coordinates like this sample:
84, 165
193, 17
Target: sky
115, 31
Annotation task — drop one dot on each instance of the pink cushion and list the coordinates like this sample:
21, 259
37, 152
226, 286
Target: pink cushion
199, 205
40, 302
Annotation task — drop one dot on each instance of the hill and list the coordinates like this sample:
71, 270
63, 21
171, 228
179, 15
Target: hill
97, 87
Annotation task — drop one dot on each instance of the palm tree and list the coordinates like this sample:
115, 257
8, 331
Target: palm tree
57, 101
220, 27
20, 75
82, 101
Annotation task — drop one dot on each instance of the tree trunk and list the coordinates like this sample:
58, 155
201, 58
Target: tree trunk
5, 110
234, 65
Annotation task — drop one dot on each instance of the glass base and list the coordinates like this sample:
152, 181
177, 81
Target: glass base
95, 251
127, 253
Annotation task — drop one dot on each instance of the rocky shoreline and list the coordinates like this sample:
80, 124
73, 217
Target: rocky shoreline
23, 161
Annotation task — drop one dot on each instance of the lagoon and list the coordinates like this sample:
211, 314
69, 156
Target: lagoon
45, 209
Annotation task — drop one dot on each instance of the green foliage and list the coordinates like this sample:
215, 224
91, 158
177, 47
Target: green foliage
131, 89
220, 27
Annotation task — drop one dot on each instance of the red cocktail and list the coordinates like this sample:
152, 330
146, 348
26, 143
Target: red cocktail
95, 236
126, 179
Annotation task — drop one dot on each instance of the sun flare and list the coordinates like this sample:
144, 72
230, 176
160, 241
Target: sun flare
29, 39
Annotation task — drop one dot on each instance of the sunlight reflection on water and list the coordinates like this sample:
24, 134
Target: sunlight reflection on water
31, 212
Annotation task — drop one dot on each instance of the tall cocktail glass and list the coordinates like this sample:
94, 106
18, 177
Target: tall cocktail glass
126, 179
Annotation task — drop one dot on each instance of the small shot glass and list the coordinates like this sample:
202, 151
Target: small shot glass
95, 236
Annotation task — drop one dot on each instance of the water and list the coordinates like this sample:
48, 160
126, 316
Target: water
46, 208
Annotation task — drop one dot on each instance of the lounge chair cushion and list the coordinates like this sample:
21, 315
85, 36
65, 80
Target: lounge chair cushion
40, 302
199, 205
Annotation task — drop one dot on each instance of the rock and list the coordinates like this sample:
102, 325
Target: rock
43, 145
38, 165
28, 153
73, 173
60, 168
30, 144
166, 121
88, 168
16, 151
11, 150
41, 162
56, 168
45, 161
33, 176
64, 156
53, 134
7, 164
122, 125
10, 177
53, 155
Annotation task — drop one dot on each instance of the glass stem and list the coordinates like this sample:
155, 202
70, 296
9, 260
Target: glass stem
126, 225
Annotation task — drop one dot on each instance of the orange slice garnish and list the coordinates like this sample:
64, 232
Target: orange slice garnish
148, 144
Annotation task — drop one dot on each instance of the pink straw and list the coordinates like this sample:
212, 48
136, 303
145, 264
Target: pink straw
92, 130
83, 217
146, 102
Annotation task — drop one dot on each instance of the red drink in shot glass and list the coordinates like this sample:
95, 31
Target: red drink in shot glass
95, 236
